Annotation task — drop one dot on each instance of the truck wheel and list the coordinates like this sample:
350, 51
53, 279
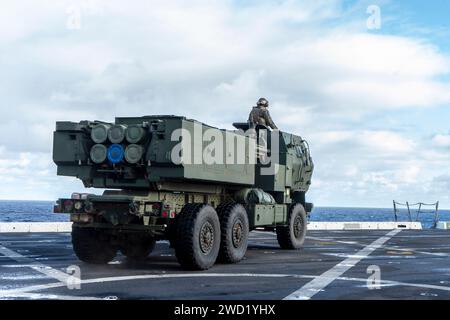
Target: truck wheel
234, 229
91, 247
198, 237
293, 235
138, 249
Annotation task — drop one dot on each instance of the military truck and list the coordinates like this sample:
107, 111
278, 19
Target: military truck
205, 208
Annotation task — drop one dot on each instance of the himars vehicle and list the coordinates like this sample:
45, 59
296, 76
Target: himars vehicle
206, 209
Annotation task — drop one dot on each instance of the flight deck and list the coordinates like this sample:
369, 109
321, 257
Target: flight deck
363, 264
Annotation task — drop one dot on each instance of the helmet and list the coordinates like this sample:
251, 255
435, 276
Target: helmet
263, 102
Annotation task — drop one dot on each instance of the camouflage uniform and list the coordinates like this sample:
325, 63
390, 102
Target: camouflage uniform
260, 115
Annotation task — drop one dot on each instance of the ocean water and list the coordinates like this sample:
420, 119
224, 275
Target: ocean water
426, 216
29, 211
42, 211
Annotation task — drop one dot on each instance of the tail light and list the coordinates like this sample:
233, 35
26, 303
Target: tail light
68, 206
56, 208
168, 212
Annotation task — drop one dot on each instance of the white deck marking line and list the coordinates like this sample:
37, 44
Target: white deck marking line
437, 254
33, 264
29, 289
152, 276
315, 286
26, 290
41, 296
397, 283
263, 232
336, 241
42, 268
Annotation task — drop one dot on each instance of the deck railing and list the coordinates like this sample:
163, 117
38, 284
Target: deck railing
420, 210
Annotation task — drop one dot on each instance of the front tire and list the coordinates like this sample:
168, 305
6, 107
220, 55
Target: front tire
91, 246
198, 237
293, 235
234, 232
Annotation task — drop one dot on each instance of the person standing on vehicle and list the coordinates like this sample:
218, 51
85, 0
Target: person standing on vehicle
260, 115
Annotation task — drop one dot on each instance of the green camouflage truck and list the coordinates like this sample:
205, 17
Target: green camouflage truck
171, 178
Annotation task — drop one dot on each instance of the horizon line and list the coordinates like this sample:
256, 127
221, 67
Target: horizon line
321, 206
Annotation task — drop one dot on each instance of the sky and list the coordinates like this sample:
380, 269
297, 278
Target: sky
367, 83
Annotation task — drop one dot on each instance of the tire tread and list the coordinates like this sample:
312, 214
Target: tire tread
89, 248
284, 232
224, 211
184, 246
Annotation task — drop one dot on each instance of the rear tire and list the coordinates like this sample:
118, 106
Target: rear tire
198, 237
293, 235
91, 246
138, 248
234, 229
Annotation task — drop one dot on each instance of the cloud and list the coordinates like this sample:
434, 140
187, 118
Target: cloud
442, 140
372, 142
327, 78
372, 168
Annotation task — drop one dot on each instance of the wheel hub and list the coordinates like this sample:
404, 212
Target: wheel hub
206, 237
237, 233
298, 226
